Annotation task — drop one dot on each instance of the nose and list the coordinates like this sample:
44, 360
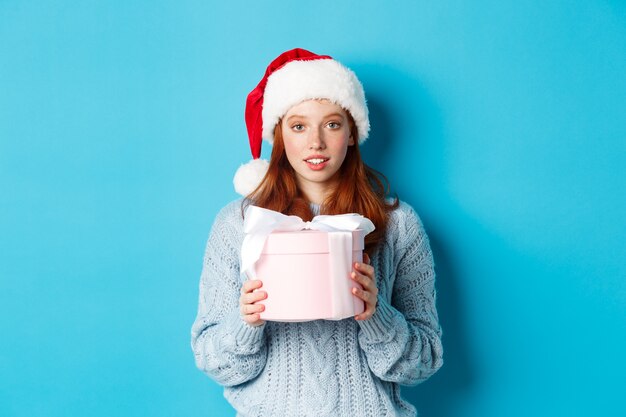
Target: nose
316, 139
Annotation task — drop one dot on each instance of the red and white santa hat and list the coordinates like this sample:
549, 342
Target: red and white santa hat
295, 76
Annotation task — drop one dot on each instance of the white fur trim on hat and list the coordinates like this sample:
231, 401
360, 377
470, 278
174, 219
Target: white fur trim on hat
249, 176
298, 81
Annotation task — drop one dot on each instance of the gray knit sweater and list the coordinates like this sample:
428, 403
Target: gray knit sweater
321, 368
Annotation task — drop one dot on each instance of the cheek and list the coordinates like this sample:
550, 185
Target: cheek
344, 152
291, 150
341, 148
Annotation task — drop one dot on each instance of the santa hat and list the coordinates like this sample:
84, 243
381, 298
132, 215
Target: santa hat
295, 76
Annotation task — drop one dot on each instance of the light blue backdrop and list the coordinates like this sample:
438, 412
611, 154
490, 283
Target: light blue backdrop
121, 125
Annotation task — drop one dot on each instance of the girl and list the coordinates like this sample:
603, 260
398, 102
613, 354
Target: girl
313, 110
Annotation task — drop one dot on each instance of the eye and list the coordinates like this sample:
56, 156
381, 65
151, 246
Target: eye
297, 127
333, 125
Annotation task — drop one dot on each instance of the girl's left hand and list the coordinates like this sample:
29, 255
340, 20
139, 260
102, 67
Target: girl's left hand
364, 274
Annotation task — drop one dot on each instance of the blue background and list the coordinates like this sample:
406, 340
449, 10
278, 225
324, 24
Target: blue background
121, 125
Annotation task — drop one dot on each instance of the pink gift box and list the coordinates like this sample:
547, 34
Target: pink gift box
307, 275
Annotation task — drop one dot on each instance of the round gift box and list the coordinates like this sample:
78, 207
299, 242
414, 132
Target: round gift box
295, 268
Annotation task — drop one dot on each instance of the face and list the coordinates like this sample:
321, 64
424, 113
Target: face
316, 134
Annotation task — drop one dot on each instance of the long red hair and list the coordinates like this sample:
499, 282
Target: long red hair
360, 189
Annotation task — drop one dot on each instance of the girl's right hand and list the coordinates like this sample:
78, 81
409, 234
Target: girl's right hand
250, 311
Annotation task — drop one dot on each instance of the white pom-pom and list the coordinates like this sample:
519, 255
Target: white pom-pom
249, 176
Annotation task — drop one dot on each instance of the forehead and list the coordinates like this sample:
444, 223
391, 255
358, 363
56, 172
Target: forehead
315, 107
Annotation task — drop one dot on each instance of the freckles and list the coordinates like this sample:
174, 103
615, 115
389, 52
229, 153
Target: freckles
291, 147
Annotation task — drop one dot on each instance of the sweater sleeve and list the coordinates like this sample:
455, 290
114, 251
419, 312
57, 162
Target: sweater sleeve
225, 347
402, 340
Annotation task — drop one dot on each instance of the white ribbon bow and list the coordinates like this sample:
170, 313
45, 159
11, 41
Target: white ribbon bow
259, 223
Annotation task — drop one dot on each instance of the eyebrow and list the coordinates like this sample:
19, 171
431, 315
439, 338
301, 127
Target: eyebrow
299, 116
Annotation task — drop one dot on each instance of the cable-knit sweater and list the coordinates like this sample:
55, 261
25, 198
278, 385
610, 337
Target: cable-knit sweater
321, 368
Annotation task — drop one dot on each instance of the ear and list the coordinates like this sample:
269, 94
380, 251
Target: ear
351, 141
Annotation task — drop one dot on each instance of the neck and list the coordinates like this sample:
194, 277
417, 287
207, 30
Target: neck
314, 193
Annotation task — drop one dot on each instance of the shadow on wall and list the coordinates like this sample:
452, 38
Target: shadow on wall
438, 396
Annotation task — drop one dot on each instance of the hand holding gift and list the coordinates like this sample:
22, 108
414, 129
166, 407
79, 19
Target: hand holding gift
306, 266
248, 302
364, 274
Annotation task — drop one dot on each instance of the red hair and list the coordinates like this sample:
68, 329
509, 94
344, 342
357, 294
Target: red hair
360, 189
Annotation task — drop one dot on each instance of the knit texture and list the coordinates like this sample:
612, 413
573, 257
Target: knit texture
321, 368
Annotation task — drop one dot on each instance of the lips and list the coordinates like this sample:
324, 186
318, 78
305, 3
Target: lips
316, 162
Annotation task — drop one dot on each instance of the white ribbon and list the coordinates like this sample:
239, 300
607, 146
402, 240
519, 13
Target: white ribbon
340, 249
259, 223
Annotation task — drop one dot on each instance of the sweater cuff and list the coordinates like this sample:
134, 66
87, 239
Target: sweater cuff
246, 336
379, 328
